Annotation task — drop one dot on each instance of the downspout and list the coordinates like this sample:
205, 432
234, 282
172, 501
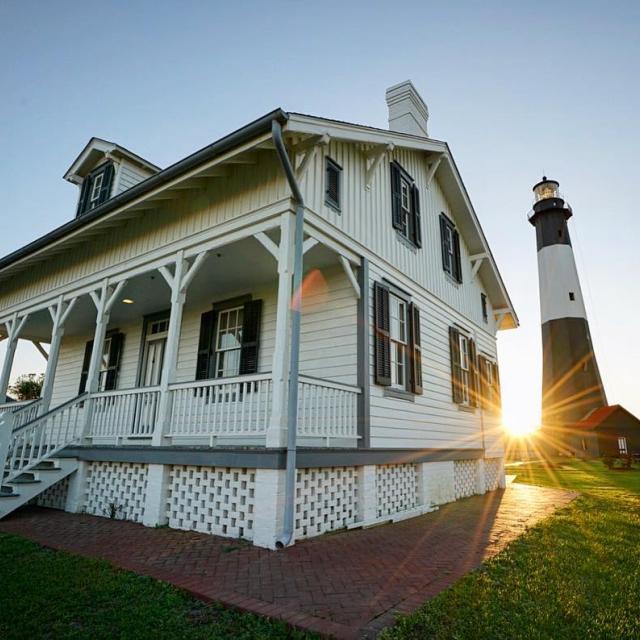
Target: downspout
294, 360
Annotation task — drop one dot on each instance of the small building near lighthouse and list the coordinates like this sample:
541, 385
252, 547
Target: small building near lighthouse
610, 431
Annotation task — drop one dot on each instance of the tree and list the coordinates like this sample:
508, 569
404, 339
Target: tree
27, 386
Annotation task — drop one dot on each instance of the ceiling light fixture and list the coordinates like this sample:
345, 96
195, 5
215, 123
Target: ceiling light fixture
127, 301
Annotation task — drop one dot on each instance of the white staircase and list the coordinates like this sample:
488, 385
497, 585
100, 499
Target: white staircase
27, 452
30, 484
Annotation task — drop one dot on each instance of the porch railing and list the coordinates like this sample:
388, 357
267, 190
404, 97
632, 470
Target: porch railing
238, 406
29, 443
23, 411
327, 409
129, 413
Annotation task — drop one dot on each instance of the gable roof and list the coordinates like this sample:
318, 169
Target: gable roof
96, 149
597, 417
448, 175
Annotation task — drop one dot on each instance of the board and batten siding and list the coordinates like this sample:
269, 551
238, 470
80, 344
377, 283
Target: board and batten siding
431, 419
245, 190
365, 217
328, 345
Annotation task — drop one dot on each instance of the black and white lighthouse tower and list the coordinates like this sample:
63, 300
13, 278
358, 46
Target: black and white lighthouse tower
571, 384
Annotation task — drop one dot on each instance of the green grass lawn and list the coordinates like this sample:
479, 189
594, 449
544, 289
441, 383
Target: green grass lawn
575, 575
51, 594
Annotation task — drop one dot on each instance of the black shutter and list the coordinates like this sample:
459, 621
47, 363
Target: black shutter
381, 342
456, 253
84, 196
415, 212
107, 181
474, 385
115, 353
204, 362
85, 367
456, 372
497, 393
332, 183
443, 242
251, 317
396, 197
483, 365
416, 349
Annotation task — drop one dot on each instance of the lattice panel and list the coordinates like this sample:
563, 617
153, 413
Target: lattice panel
216, 500
116, 489
492, 472
326, 500
55, 497
396, 488
464, 474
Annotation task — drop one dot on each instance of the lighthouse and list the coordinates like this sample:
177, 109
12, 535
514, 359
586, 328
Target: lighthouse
571, 383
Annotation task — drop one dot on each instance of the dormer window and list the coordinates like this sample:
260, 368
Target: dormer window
96, 188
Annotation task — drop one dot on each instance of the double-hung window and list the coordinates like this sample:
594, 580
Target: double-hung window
96, 188
228, 342
450, 242
405, 205
464, 368
399, 338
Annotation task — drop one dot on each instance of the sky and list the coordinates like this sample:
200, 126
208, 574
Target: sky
516, 89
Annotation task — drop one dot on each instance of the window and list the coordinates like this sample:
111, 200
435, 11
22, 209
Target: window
405, 205
398, 336
489, 380
229, 339
228, 342
450, 241
572, 296
464, 369
622, 446
109, 362
333, 185
96, 188
397, 343
485, 313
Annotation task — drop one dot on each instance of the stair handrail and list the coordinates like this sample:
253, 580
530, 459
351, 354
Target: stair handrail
10, 434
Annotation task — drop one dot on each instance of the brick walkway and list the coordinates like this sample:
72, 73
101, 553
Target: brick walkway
347, 585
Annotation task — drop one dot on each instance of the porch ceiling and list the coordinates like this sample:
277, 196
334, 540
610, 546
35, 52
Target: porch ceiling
235, 269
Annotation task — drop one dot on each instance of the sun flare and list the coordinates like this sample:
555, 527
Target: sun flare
520, 428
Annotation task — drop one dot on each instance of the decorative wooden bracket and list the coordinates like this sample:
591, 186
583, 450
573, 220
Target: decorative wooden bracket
184, 275
433, 167
309, 147
268, 244
41, 349
499, 315
309, 243
348, 269
476, 262
373, 158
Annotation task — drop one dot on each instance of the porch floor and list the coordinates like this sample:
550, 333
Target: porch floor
346, 585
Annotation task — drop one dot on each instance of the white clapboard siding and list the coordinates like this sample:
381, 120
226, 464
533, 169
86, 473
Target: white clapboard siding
432, 420
246, 189
129, 175
366, 218
328, 344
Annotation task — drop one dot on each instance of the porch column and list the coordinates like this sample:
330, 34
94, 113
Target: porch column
59, 313
276, 434
103, 299
13, 326
178, 282
158, 474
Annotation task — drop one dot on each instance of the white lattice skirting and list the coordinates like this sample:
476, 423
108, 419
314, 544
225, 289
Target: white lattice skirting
116, 489
492, 473
465, 478
326, 500
217, 500
55, 497
396, 488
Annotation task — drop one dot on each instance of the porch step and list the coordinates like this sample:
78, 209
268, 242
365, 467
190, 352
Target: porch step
33, 482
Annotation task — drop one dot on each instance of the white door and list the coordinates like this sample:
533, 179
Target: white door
152, 367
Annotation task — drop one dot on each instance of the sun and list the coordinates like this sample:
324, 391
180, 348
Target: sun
520, 428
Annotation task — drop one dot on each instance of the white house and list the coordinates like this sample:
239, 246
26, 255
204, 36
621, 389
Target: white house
175, 352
